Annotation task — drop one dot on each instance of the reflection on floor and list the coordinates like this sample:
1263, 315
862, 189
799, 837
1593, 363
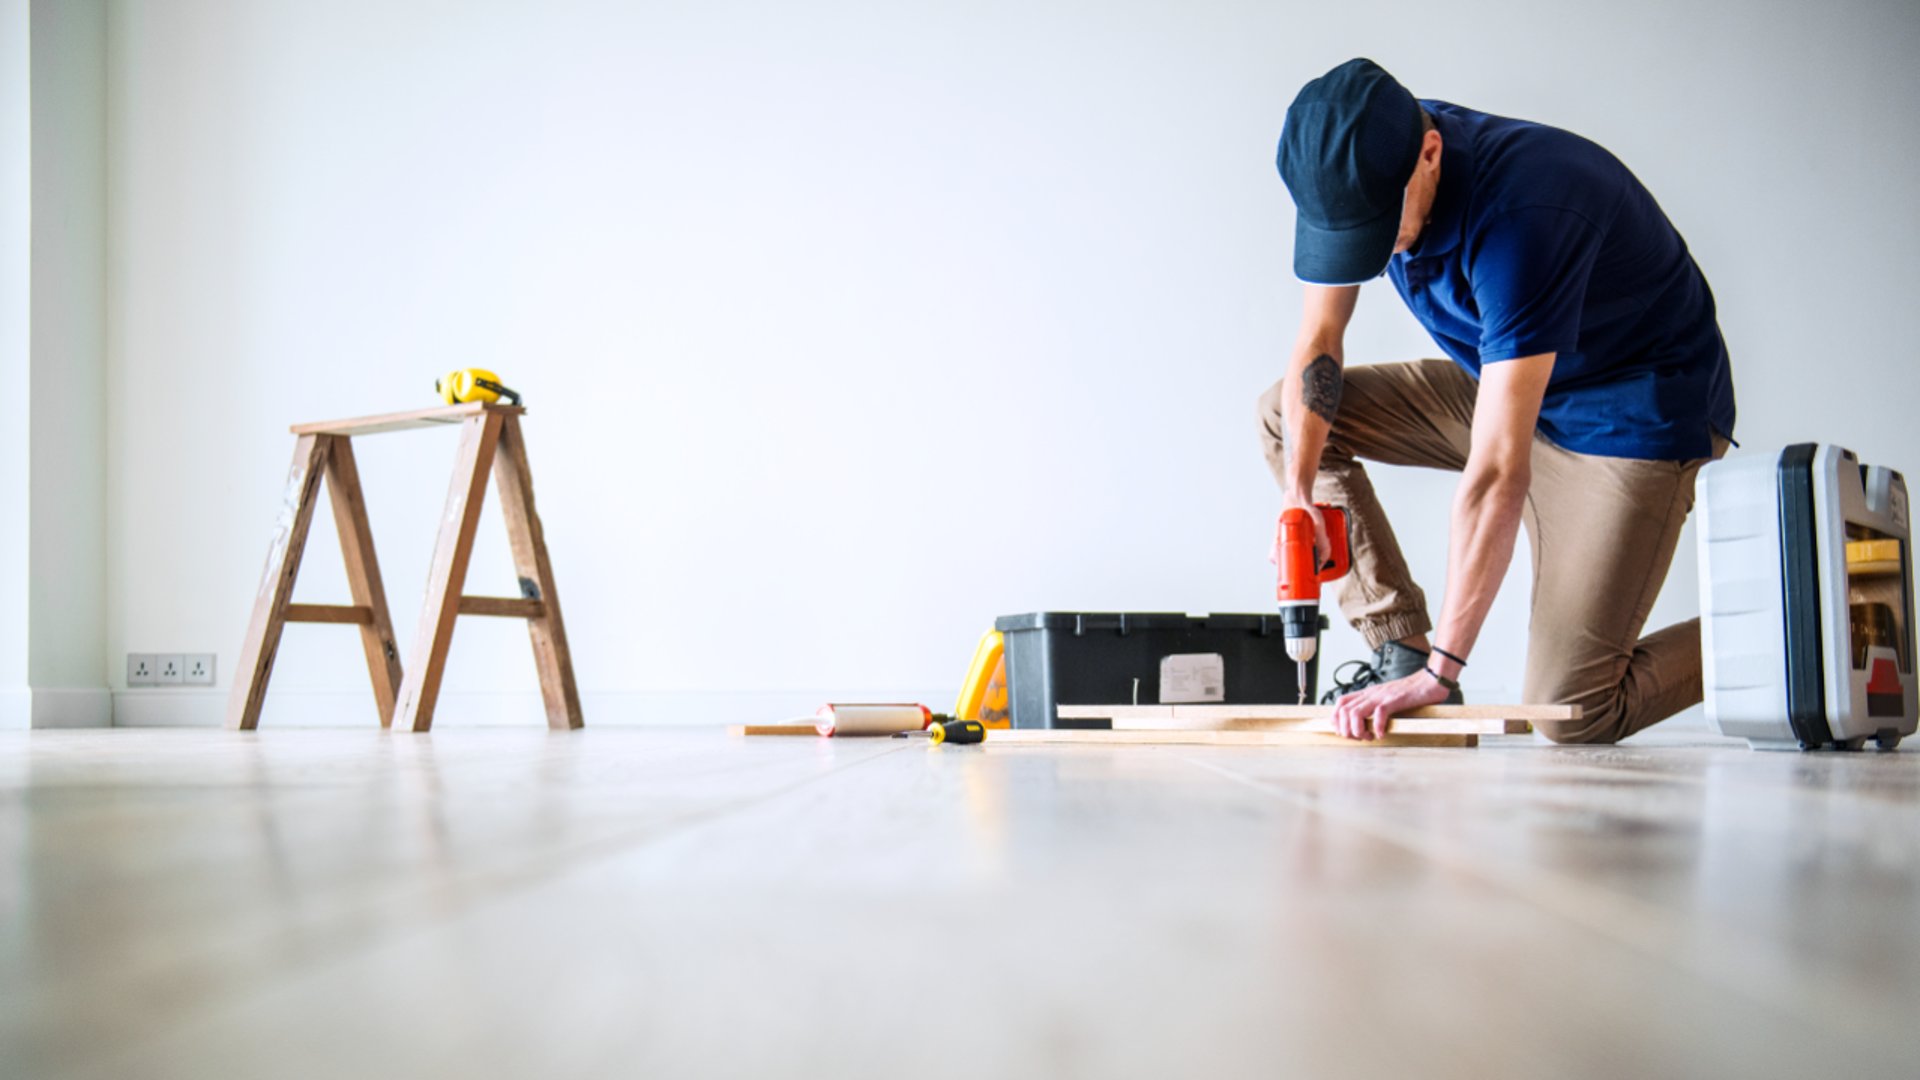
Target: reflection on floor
675, 902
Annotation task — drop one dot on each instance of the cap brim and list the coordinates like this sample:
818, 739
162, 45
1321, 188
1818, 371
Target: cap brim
1349, 256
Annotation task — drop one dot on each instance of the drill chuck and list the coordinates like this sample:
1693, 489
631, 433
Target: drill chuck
1300, 621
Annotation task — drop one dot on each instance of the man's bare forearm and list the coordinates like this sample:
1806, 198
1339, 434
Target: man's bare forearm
1311, 399
1486, 522
1492, 494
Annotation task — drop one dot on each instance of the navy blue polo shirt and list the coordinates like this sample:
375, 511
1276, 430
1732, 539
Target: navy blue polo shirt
1541, 241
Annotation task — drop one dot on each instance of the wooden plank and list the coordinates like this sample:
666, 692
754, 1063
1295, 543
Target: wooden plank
1087, 737
347, 614
1313, 712
363, 577
548, 630
407, 421
503, 606
1404, 725
774, 729
275, 592
420, 690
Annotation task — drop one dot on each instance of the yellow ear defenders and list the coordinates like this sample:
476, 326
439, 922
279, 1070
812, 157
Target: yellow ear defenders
472, 384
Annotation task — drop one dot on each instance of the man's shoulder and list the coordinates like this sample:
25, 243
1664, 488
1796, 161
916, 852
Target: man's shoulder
1523, 164
1491, 133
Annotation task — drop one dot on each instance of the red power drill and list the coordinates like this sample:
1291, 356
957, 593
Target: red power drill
1300, 578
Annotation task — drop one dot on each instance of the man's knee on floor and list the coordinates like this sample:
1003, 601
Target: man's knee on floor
1603, 718
1602, 710
1581, 732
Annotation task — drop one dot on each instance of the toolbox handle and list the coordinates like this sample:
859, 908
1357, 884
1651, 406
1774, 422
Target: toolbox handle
1084, 622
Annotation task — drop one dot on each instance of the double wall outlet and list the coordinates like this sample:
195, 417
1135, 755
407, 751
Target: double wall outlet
170, 669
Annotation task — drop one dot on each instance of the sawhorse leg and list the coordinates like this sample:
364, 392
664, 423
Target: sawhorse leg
276, 582
420, 690
316, 457
535, 571
363, 576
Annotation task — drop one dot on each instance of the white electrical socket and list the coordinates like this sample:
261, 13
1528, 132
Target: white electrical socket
141, 669
197, 669
167, 669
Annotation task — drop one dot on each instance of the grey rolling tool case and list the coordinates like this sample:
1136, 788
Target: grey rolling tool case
1806, 600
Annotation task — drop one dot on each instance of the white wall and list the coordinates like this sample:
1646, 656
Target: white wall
15, 353
67, 661
849, 326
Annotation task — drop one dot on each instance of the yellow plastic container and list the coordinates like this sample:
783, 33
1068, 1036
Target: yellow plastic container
983, 694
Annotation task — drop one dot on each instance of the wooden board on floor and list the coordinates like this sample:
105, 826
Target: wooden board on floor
774, 729
1433, 719
1404, 725
1318, 712
1088, 737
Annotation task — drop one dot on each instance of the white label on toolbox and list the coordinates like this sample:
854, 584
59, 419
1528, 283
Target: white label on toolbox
1193, 677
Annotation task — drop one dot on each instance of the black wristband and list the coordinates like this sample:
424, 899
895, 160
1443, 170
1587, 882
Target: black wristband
1450, 656
1441, 679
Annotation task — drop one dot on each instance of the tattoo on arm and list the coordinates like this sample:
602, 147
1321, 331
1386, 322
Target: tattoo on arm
1320, 387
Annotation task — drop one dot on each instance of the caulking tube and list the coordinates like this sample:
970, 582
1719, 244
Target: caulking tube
871, 719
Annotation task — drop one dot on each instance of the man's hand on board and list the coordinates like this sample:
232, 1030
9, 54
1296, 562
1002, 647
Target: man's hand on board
1369, 713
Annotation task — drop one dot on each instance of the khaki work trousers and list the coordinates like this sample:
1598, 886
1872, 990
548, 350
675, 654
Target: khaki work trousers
1602, 532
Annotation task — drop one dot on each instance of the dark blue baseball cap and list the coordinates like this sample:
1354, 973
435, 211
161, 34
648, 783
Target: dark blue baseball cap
1347, 150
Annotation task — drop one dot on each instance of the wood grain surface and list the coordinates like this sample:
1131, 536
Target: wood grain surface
409, 420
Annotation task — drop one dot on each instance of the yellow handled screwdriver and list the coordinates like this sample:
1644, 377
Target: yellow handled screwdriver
945, 729
958, 732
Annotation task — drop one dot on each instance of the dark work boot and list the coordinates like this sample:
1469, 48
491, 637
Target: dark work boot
1390, 661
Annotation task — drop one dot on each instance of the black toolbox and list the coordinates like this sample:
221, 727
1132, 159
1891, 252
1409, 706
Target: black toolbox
1059, 658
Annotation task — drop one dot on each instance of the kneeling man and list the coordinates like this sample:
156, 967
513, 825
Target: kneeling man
1586, 383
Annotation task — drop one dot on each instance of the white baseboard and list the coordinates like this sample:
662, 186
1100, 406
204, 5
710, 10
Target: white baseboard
16, 710
72, 707
320, 708
55, 707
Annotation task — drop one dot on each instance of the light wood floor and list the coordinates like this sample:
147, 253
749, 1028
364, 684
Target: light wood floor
675, 902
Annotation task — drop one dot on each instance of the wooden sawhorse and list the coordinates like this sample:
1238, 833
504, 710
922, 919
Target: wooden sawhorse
490, 442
